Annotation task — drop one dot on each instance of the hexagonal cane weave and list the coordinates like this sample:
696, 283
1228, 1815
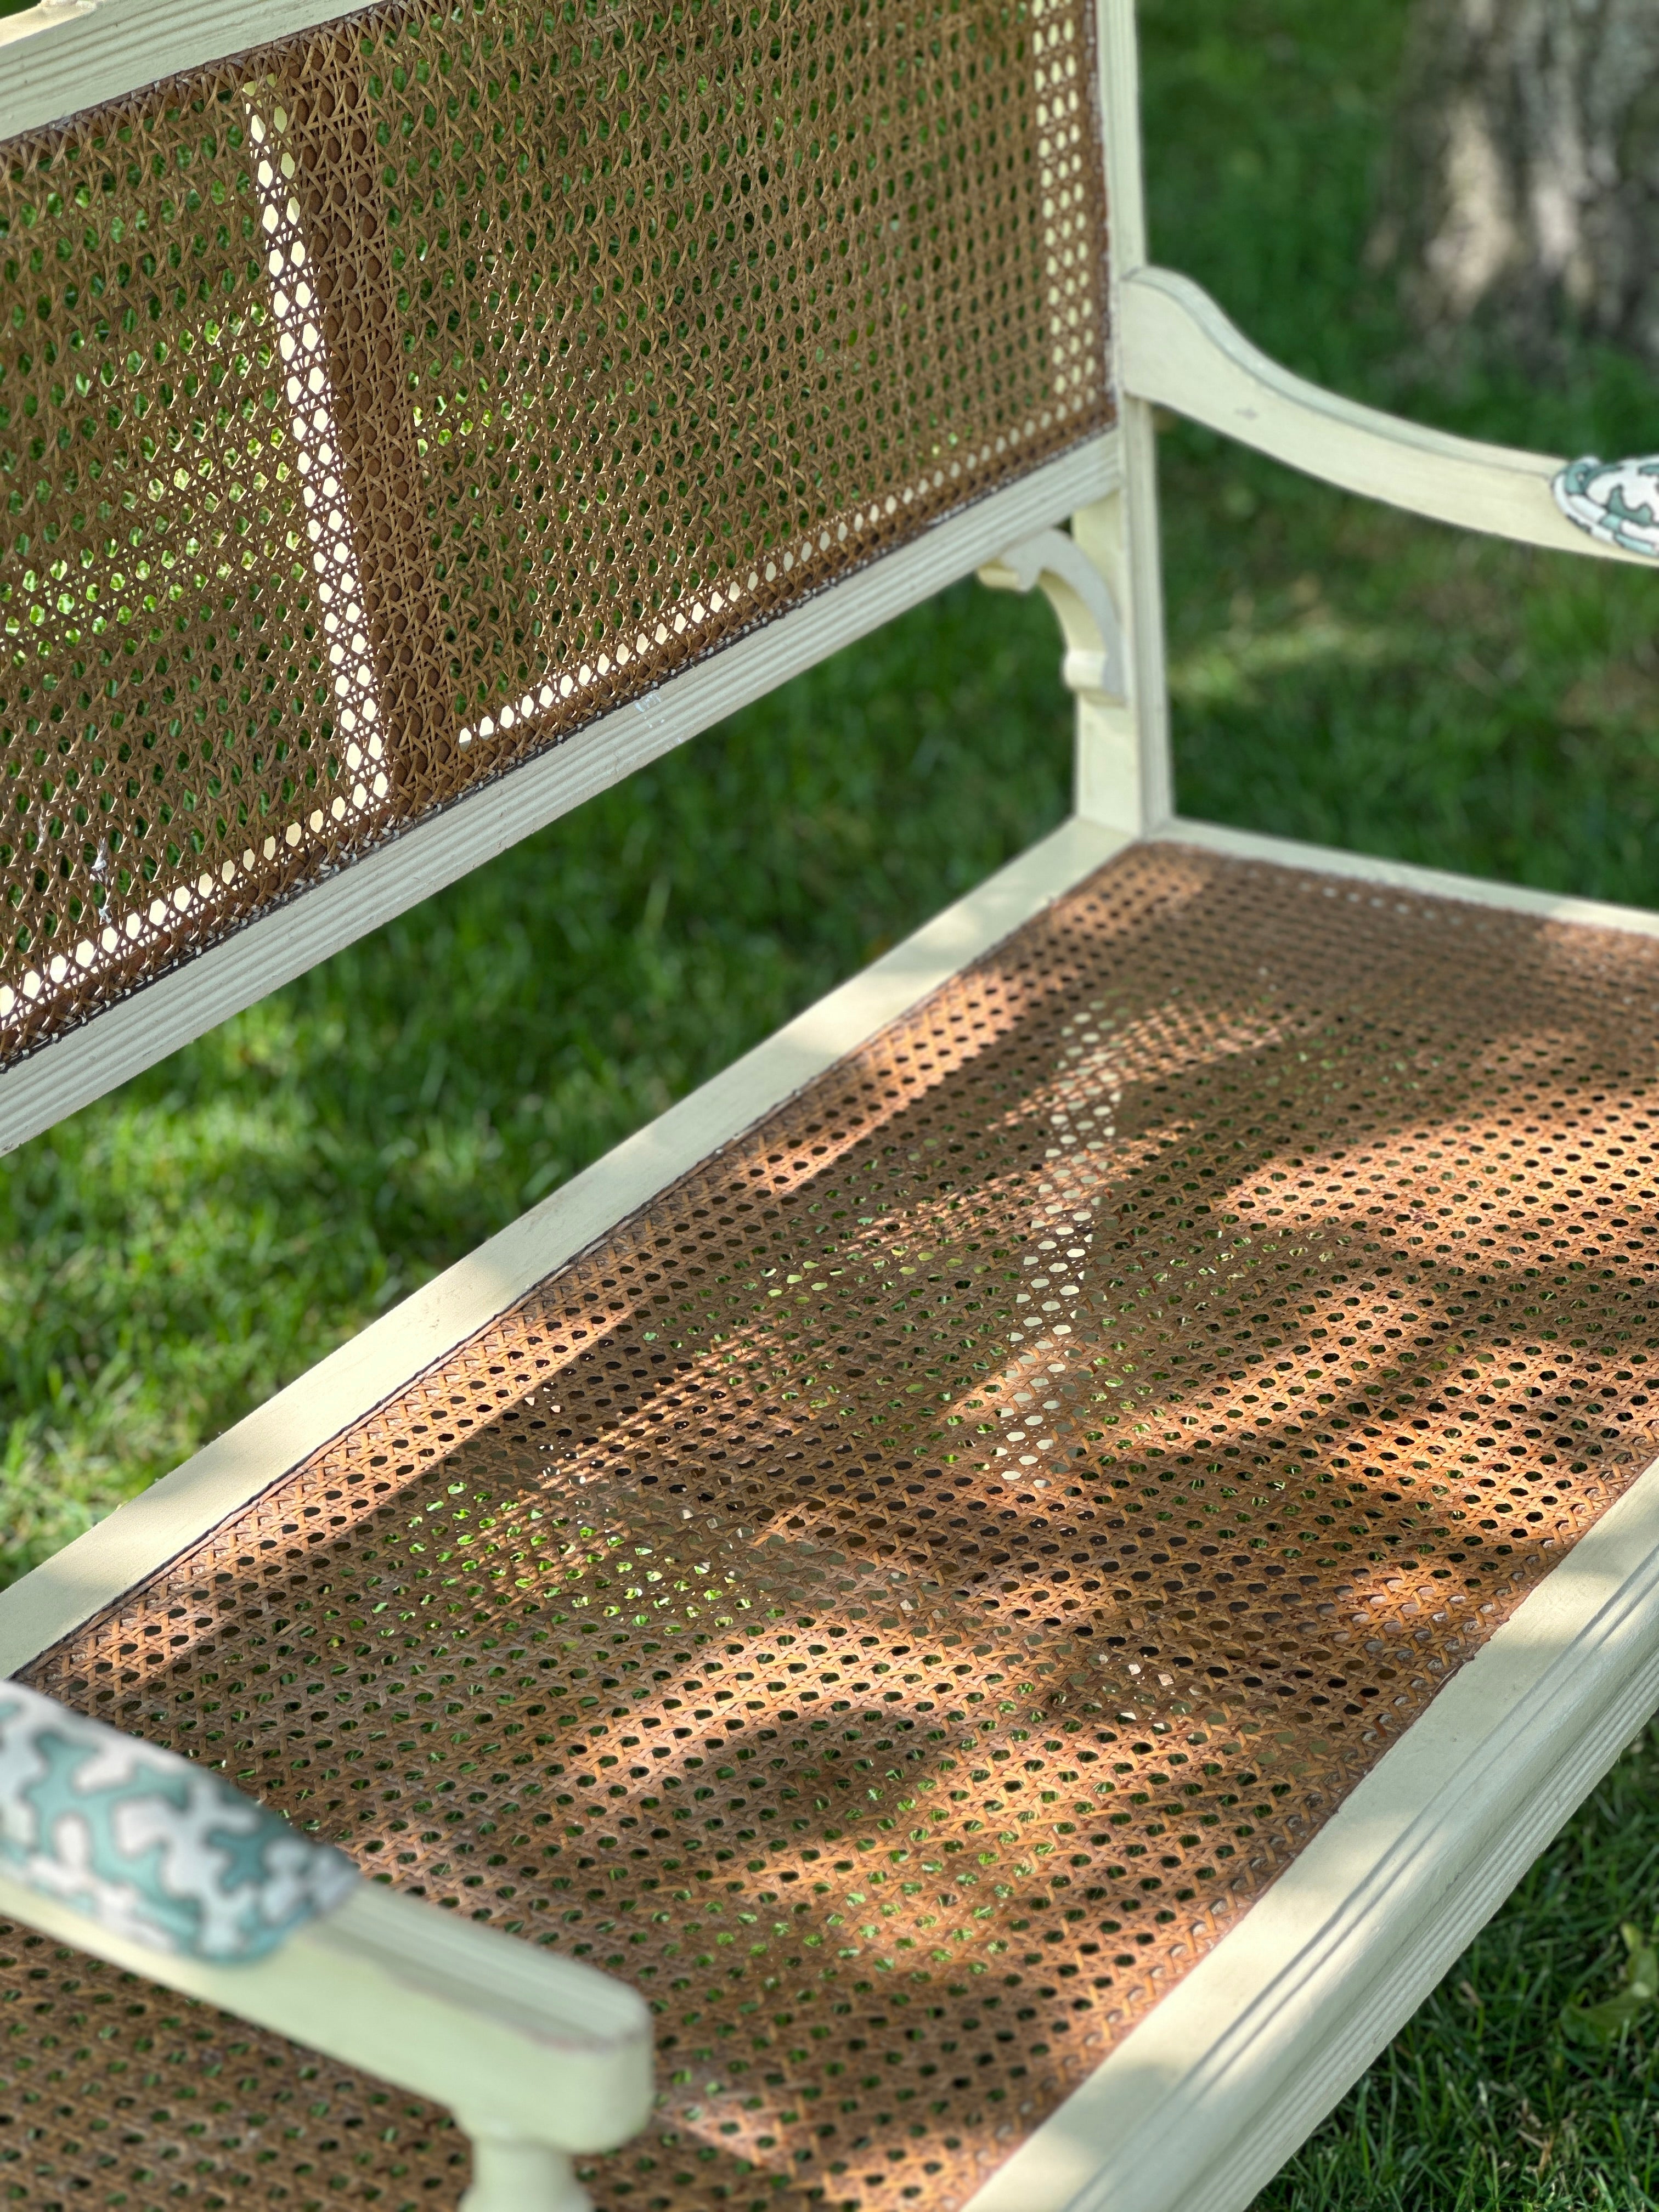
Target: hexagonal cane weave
900, 1597
379, 406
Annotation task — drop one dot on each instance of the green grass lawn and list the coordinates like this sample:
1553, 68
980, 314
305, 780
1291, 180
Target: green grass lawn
170, 1257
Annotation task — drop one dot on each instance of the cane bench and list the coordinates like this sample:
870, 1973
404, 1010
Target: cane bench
1008, 1582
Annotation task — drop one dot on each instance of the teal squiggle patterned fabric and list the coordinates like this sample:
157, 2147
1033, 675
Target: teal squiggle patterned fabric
148, 1845
1617, 501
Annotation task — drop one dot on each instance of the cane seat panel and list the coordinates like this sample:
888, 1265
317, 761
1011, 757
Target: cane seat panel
379, 406
902, 1595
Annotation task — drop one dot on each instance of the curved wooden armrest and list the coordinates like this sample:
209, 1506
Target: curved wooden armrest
1178, 348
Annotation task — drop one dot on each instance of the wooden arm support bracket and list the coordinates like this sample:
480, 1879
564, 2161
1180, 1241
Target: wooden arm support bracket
1177, 348
1077, 574
1057, 565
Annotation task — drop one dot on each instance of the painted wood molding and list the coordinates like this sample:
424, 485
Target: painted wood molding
1108, 754
1124, 769
1117, 44
64, 55
1057, 565
1371, 868
1178, 348
136, 1032
537, 2056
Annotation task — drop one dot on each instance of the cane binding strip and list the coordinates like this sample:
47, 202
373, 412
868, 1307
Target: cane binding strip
381, 406
901, 1597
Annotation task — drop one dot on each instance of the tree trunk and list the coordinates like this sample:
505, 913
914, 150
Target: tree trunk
1524, 191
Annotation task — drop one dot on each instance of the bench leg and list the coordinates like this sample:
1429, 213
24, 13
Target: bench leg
511, 2175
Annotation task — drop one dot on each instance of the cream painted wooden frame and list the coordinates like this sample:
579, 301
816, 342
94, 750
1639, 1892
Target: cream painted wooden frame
1198, 2106
64, 55
1176, 347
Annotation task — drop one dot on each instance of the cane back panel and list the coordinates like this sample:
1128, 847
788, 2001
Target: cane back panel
904, 1594
379, 406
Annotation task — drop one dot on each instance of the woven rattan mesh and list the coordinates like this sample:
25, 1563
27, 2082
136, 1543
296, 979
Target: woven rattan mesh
378, 408
904, 1592
120, 2095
